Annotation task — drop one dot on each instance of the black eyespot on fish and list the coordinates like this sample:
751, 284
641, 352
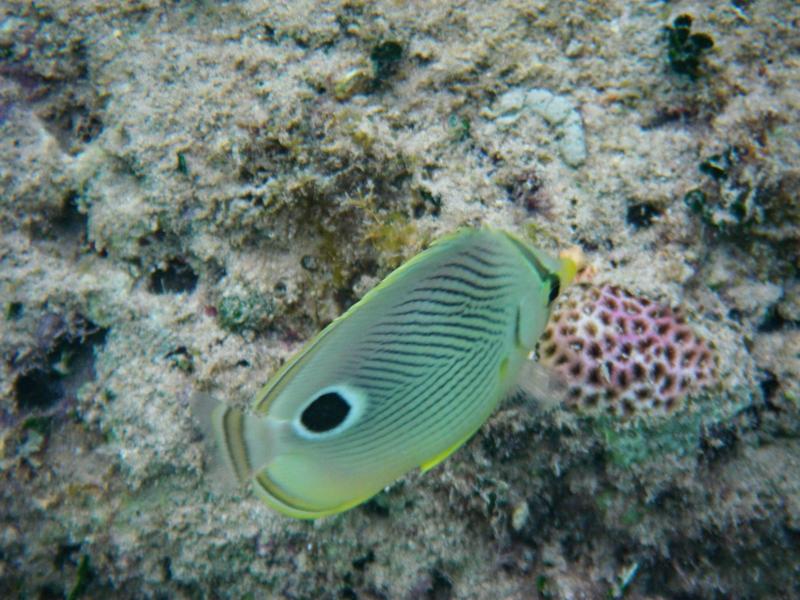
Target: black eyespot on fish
325, 413
555, 288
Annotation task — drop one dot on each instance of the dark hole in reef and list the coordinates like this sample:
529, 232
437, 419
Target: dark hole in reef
67, 364
89, 128
376, 506
38, 389
641, 215
428, 203
773, 321
66, 555
716, 442
385, 59
325, 413
718, 165
14, 311
152, 238
175, 278
40, 424
344, 298
180, 358
309, 263
735, 315
70, 222
166, 568
347, 593
769, 385
51, 591
361, 562
441, 588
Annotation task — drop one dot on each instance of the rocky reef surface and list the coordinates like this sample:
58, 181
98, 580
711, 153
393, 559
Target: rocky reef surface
190, 190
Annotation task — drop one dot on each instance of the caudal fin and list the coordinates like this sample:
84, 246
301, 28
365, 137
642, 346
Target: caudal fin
243, 443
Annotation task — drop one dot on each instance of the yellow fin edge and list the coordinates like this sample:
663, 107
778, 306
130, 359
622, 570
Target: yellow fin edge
262, 489
429, 464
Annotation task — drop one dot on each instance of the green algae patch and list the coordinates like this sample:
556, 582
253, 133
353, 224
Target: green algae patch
652, 440
83, 577
642, 442
393, 238
242, 313
460, 127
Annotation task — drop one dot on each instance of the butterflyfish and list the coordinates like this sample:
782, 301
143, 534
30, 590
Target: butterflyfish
401, 380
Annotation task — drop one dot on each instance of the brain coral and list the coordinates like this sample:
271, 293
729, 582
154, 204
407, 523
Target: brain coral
624, 355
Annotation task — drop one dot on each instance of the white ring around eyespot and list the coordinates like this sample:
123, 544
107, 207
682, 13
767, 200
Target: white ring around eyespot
354, 398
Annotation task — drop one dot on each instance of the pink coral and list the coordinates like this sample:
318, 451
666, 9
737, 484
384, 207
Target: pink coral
624, 355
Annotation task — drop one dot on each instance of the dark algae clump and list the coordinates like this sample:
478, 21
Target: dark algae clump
385, 59
684, 48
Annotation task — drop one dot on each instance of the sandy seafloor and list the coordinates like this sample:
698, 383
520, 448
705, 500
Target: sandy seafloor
190, 190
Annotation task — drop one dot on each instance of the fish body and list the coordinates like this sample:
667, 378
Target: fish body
400, 380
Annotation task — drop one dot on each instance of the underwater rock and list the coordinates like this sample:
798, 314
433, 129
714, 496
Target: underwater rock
355, 81
558, 111
145, 144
